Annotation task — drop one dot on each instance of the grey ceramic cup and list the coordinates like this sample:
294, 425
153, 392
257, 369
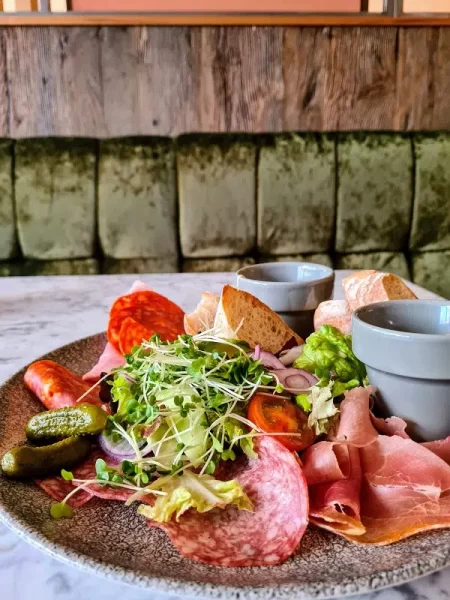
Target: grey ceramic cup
291, 289
405, 345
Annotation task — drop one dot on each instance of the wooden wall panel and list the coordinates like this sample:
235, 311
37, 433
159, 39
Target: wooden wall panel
360, 79
4, 98
305, 66
117, 81
54, 81
150, 79
423, 90
241, 79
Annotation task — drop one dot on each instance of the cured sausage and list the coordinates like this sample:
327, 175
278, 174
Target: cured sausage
56, 386
132, 334
236, 538
153, 311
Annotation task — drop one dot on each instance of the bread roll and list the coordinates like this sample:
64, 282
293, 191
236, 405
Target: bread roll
336, 313
203, 317
367, 287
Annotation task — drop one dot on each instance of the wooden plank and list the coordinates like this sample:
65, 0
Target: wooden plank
72, 19
241, 79
423, 88
416, 78
305, 63
149, 80
4, 99
360, 79
441, 107
54, 82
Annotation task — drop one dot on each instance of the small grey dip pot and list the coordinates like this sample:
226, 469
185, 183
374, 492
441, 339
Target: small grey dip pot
291, 289
405, 345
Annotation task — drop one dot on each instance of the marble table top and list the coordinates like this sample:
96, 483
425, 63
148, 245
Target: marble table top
38, 314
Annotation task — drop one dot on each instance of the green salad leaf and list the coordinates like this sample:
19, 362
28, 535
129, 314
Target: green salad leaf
328, 354
190, 490
323, 408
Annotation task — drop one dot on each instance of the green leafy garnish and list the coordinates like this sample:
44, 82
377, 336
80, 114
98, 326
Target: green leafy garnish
190, 490
303, 400
66, 475
322, 409
328, 354
61, 510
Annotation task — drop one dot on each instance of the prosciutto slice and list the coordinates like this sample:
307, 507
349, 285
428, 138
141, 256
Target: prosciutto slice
109, 360
355, 426
336, 506
441, 448
406, 490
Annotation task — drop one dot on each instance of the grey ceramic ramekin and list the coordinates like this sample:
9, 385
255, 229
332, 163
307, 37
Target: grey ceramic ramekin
405, 345
292, 289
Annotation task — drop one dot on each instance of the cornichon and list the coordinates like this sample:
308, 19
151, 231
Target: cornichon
28, 461
83, 419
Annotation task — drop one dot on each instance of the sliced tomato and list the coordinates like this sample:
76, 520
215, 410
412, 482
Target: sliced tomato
277, 414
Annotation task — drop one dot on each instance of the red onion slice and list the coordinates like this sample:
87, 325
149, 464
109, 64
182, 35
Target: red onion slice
257, 352
295, 380
122, 450
287, 357
118, 450
268, 360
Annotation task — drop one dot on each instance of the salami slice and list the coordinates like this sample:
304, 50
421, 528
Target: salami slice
235, 538
87, 471
132, 334
57, 488
153, 311
56, 386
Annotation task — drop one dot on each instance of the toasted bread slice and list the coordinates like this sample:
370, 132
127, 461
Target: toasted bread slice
242, 316
367, 287
336, 313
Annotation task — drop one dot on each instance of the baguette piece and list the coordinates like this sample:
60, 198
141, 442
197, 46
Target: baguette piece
242, 316
336, 313
367, 287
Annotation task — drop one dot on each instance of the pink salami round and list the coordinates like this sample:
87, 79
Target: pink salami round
236, 538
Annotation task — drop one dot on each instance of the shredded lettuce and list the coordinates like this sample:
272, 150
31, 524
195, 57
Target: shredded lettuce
189, 490
323, 408
328, 354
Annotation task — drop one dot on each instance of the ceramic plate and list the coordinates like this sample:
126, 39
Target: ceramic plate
112, 540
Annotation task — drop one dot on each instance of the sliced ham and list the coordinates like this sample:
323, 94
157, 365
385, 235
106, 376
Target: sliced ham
202, 318
406, 490
355, 426
390, 426
109, 360
336, 506
325, 462
441, 448
236, 538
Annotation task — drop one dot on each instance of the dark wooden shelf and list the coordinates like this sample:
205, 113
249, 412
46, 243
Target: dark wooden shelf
212, 19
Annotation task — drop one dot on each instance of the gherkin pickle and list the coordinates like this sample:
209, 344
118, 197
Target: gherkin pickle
83, 419
27, 461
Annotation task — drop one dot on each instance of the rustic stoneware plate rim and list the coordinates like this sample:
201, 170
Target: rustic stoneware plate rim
426, 564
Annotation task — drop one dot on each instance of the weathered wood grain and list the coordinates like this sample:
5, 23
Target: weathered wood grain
305, 65
360, 79
241, 79
423, 92
150, 80
54, 82
120, 81
4, 99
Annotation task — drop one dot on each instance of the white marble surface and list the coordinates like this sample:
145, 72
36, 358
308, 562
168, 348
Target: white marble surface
39, 314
